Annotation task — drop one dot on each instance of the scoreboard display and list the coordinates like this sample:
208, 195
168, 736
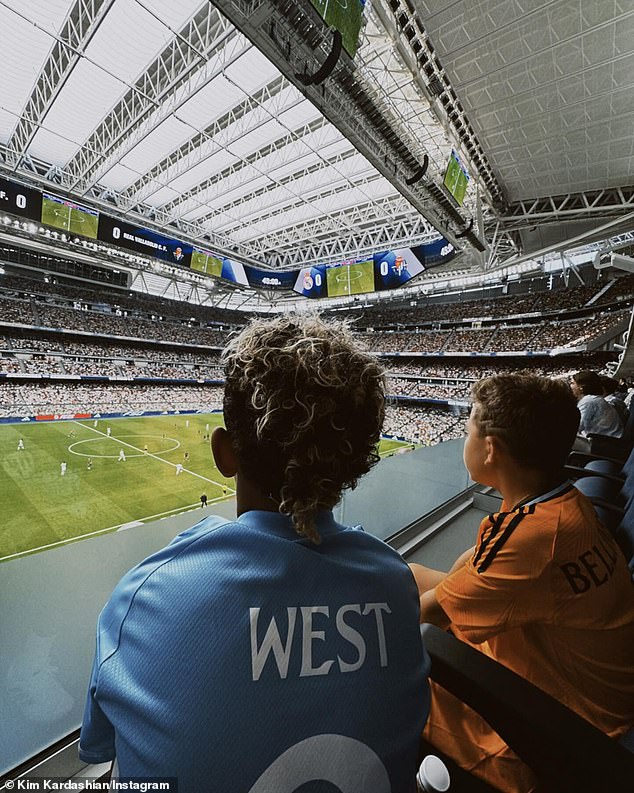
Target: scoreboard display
385, 270
140, 240
21, 201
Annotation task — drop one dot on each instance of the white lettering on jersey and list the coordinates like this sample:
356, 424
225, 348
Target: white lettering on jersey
350, 635
377, 608
344, 762
281, 649
308, 636
272, 641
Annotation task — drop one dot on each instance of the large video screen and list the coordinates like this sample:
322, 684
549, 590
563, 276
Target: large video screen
219, 266
355, 278
345, 16
207, 263
385, 270
140, 240
270, 279
456, 179
69, 216
19, 200
395, 268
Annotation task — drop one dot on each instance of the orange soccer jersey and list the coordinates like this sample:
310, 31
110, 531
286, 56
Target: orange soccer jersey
548, 594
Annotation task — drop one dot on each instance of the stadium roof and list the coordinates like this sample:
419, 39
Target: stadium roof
167, 113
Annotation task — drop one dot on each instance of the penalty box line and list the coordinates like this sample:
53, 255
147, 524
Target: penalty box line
155, 456
179, 510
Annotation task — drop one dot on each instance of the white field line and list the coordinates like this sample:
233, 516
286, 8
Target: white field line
188, 508
156, 457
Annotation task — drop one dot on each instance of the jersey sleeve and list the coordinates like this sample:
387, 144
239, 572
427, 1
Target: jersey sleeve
96, 739
505, 584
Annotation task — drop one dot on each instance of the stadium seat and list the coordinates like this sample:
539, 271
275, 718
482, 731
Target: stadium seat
566, 753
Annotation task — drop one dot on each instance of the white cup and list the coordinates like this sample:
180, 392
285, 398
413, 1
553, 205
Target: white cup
432, 776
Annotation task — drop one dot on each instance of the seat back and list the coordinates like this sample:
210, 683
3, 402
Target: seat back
566, 753
624, 534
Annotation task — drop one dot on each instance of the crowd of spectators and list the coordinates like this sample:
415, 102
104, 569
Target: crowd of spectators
542, 335
126, 300
425, 341
473, 372
16, 310
10, 364
398, 386
426, 426
68, 398
31, 344
114, 325
540, 302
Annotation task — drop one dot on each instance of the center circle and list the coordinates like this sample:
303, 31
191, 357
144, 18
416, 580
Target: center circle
128, 452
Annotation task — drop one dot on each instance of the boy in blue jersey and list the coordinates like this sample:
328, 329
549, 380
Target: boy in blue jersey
281, 650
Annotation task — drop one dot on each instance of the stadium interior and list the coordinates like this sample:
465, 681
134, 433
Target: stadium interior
455, 179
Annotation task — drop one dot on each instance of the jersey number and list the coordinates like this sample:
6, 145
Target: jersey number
338, 759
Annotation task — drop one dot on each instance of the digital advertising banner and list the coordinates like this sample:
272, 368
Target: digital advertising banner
140, 240
218, 266
382, 270
25, 202
270, 279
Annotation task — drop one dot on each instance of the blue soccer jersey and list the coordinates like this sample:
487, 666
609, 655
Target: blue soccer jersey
242, 658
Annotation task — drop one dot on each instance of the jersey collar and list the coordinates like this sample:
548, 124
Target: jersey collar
276, 523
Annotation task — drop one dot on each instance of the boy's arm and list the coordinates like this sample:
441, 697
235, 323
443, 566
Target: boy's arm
432, 611
427, 580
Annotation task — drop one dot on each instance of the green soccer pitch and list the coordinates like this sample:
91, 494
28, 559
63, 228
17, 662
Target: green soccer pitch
55, 214
83, 223
43, 509
353, 279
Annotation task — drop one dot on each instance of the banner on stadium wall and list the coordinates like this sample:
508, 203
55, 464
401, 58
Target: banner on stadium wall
61, 416
75, 416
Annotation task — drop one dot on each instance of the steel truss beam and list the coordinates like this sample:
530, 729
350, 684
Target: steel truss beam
331, 249
80, 26
38, 173
212, 188
192, 58
237, 122
368, 220
294, 38
288, 182
333, 208
572, 206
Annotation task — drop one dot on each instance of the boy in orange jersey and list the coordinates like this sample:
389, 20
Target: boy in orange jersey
545, 591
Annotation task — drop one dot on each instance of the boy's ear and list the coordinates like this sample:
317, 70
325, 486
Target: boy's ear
223, 452
495, 450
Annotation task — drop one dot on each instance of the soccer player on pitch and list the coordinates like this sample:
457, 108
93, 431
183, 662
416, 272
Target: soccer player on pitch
281, 646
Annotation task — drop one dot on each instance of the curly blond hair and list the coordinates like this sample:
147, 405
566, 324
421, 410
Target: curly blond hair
305, 406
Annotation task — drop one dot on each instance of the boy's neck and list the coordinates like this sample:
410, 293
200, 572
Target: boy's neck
523, 485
